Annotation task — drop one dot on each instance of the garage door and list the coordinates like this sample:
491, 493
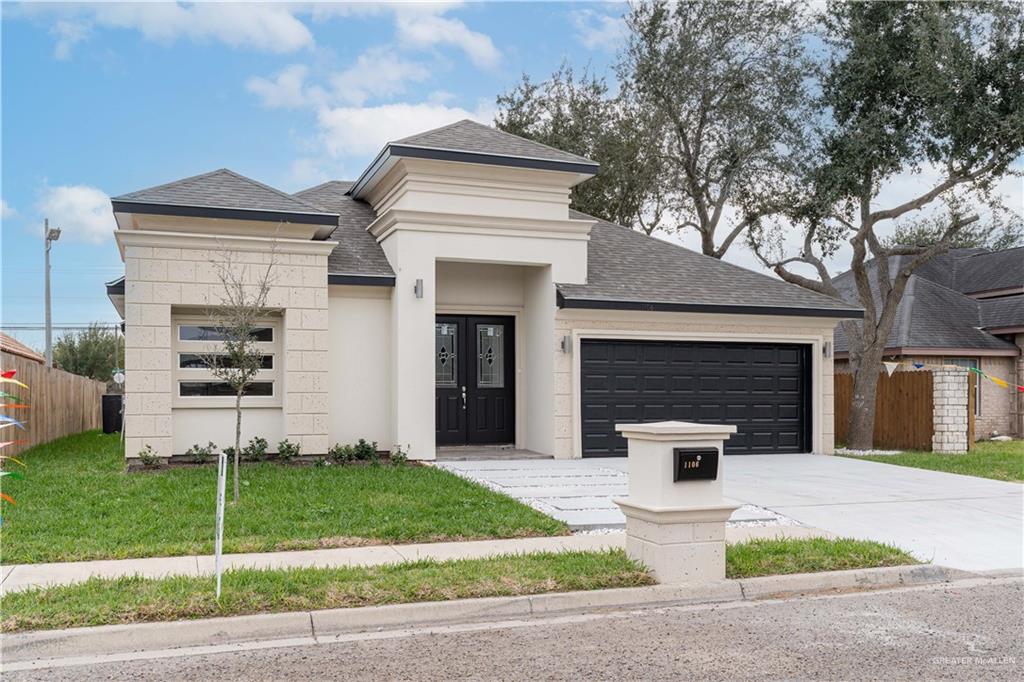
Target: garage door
764, 389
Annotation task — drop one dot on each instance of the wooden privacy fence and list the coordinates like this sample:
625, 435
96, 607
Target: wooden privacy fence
903, 410
60, 403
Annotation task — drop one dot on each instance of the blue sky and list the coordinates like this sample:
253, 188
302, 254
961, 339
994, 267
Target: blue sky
98, 100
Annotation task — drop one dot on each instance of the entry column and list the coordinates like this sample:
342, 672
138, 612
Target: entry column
675, 513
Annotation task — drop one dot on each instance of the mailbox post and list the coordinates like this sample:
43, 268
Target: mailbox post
675, 513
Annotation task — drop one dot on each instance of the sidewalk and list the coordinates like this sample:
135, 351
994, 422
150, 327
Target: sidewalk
28, 576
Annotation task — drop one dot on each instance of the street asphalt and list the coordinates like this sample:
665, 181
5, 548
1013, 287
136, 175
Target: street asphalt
963, 630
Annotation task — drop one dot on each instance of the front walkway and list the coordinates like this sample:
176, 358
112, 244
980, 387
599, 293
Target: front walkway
28, 576
957, 521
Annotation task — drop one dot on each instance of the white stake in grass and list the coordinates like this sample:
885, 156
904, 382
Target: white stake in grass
218, 543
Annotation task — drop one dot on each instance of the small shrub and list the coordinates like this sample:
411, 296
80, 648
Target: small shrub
288, 450
322, 462
256, 449
399, 456
147, 456
366, 451
341, 454
200, 454
230, 452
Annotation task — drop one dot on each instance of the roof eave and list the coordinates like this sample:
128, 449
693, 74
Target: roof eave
221, 212
392, 151
570, 302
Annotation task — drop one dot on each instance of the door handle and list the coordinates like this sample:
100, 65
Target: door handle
463, 397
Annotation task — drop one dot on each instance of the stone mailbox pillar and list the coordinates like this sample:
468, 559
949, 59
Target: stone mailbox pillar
675, 513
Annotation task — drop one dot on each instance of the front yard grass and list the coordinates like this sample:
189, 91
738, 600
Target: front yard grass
132, 600
76, 502
809, 555
999, 460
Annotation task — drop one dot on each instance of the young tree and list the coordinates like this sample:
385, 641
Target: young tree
727, 82
241, 309
910, 87
578, 115
94, 352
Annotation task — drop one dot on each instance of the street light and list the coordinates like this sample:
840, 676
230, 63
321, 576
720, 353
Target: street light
52, 234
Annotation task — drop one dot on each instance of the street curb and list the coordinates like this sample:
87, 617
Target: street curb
115, 639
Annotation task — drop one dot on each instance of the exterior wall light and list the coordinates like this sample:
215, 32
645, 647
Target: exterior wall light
566, 344
418, 288
826, 349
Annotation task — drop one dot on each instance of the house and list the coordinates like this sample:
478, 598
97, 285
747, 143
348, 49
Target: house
9, 344
965, 307
450, 297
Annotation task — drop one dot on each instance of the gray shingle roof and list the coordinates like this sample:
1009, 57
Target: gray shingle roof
470, 136
937, 313
357, 252
626, 266
1002, 312
221, 188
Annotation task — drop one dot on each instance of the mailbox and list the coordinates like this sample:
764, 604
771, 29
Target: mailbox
694, 464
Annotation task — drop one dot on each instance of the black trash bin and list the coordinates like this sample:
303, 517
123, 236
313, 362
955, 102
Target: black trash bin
112, 412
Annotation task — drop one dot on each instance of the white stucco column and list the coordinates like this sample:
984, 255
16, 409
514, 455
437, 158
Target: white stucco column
413, 310
675, 513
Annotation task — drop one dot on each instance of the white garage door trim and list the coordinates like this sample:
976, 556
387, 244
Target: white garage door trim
816, 343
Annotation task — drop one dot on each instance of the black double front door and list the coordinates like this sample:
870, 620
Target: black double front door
474, 370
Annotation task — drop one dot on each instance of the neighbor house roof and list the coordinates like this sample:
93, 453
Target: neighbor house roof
9, 344
631, 271
222, 194
936, 313
471, 142
358, 258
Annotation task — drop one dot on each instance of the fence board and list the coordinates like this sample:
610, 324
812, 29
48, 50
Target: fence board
61, 403
903, 410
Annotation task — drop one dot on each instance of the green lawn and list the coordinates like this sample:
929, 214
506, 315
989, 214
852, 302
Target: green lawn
133, 600
76, 502
1003, 461
809, 555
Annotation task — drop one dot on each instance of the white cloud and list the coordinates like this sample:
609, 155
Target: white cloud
598, 31
82, 212
262, 26
6, 210
378, 72
364, 130
287, 89
426, 28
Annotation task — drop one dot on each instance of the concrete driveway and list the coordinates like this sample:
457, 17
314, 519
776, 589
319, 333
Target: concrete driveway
952, 520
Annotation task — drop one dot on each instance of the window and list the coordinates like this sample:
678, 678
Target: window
970, 363
196, 340
490, 352
195, 361
445, 338
192, 389
195, 332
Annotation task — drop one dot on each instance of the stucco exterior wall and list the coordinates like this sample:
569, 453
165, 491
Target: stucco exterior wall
359, 385
169, 273
580, 324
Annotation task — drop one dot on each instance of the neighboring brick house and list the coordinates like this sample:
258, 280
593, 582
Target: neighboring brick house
450, 296
963, 308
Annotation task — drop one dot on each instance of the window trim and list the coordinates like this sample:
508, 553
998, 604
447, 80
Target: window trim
179, 375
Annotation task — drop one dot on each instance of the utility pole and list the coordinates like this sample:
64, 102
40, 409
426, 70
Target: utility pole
50, 236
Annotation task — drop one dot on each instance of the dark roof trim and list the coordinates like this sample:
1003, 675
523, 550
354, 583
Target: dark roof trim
121, 206
433, 153
655, 306
362, 280
115, 287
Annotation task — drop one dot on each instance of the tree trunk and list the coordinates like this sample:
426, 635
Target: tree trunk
238, 441
860, 434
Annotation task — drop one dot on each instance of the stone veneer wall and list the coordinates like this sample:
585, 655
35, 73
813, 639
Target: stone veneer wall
771, 328
181, 274
949, 400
